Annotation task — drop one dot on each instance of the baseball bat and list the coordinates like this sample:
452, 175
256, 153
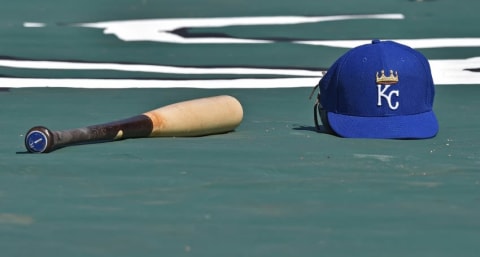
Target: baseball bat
197, 117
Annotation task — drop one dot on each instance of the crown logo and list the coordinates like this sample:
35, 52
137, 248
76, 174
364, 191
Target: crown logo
384, 80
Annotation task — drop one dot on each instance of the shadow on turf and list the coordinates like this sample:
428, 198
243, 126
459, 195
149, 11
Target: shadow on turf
321, 129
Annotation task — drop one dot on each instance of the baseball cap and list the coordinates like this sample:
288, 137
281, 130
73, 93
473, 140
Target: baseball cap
379, 90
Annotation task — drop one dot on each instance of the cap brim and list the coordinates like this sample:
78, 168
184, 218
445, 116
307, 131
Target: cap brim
424, 125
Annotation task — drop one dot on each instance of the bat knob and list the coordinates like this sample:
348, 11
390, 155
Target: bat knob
39, 140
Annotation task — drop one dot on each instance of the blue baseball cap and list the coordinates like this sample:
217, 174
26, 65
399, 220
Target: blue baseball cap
380, 90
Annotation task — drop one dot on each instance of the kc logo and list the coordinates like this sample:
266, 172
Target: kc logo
383, 85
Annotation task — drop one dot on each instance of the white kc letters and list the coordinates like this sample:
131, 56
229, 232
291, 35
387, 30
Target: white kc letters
382, 93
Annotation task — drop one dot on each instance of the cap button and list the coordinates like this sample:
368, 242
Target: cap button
375, 41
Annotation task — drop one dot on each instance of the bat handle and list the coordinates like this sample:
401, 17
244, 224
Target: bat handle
39, 140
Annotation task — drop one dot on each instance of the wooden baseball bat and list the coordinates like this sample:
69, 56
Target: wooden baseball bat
198, 117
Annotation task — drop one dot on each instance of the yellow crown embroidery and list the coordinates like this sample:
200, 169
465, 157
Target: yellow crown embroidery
384, 80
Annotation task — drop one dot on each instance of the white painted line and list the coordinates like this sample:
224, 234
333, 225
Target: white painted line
129, 83
414, 43
160, 30
59, 65
33, 25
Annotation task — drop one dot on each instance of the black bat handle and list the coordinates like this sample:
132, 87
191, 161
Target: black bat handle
40, 139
